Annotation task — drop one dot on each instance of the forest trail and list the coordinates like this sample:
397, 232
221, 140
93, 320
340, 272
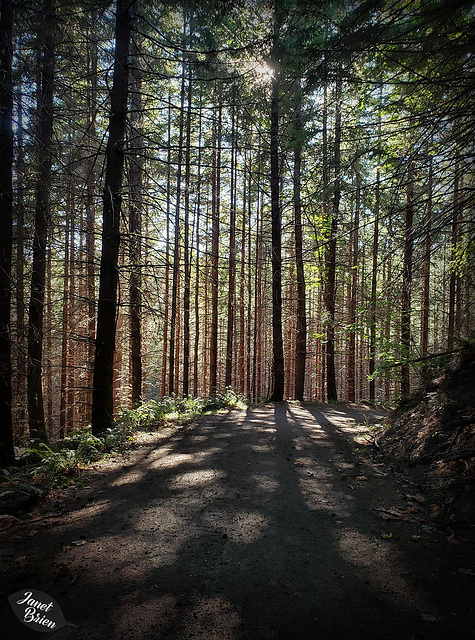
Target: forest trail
257, 524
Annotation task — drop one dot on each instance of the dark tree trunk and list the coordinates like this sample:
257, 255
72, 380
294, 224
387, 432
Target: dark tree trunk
232, 261
374, 280
301, 335
135, 231
330, 288
277, 342
7, 454
65, 328
103, 397
187, 253
21, 360
351, 373
215, 213
453, 274
426, 273
91, 214
167, 256
407, 283
174, 319
42, 217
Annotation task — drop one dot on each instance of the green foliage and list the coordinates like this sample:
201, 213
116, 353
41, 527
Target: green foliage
52, 465
153, 413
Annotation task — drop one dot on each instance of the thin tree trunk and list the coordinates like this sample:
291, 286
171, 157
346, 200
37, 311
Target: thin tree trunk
187, 253
72, 344
426, 275
135, 231
196, 384
351, 373
453, 272
277, 343
330, 289
301, 335
65, 330
407, 282
174, 319
167, 257
103, 403
7, 453
21, 365
91, 213
232, 259
42, 218
374, 281
49, 343
241, 368
215, 214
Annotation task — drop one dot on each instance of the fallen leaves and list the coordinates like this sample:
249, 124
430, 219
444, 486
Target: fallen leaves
411, 514
78, 543
386, 536
429, 617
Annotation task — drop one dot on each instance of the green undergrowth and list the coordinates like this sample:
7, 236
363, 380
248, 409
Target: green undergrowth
59, 463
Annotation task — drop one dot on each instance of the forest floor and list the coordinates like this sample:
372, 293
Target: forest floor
265, 523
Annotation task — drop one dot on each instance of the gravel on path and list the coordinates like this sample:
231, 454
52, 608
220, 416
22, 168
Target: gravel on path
260, 524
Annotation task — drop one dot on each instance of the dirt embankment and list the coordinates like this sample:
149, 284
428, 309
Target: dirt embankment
434, 432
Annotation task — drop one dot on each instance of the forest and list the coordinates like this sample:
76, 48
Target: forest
264, 196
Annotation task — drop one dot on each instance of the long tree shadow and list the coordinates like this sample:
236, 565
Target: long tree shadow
238, 527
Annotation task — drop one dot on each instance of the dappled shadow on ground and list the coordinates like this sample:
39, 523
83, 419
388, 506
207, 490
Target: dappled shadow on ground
249, 525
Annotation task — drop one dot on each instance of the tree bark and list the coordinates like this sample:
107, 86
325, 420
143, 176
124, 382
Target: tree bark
232, 259
7, 453
330, 288
187, 252
301, 335
135, 231
42, 218
351, 373
407, 283
174, 319
426, 272
277, 394
103, 403
215, 214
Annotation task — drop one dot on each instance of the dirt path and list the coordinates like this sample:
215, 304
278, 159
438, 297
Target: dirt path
257, 524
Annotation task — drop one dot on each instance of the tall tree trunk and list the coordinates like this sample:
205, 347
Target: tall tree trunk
65, 328
174, 318
91, 213
49, 342
426, 274
301, 335
351, 373
240, 373
42, 217
21, 362
374, 281
330, 288
407, 282
186, 250
72, 346
453, 273
135, 230
167, 256
277, 342
7, 454
215, 214
103, 403
232, 258
196, 384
